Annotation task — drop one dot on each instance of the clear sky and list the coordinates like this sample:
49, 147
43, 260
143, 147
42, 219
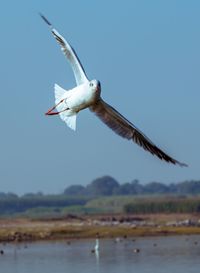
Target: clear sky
146, 55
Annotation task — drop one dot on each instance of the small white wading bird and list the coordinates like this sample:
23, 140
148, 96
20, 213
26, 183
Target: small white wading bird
96, 247
87, 95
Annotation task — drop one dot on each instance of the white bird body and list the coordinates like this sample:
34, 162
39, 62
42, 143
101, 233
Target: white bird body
70, 102
87, 95
80, 97
96, 248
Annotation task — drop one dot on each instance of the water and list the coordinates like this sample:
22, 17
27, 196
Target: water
159, 254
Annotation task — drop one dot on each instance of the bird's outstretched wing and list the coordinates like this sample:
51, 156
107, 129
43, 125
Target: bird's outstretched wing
120, 125
70, 53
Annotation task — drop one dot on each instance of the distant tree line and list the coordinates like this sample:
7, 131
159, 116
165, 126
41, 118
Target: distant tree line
78, 195
107, 186
11, 203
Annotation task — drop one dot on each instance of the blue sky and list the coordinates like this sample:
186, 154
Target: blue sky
146, 55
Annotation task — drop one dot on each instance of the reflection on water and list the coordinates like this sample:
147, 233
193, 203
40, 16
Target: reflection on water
97, 258
156, 254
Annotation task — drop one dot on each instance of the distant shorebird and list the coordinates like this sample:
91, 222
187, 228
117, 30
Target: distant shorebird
87, 95
136, 250
96, 247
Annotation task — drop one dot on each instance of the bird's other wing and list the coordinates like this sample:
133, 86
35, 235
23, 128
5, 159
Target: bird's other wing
121, 126
70, 53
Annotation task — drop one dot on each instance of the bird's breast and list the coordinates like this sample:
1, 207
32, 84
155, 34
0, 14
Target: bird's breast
82, 98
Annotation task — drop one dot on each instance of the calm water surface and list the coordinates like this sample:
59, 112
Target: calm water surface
159, 254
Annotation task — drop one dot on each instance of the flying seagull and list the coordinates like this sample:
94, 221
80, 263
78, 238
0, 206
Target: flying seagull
87, 94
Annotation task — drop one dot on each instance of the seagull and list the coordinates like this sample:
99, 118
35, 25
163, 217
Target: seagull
87, 94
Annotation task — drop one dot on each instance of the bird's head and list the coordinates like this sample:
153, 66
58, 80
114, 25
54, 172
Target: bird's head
95, 86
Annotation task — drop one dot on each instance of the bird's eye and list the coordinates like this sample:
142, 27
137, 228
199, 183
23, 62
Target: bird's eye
91, 84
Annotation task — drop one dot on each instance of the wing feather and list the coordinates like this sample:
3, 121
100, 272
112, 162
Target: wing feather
121, 126
70, 53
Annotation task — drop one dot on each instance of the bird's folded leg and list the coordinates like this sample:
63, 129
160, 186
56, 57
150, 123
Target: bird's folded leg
51, 113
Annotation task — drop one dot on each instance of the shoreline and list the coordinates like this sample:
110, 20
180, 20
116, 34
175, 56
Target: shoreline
22, 230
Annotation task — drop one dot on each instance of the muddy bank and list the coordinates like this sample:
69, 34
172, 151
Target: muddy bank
107, 226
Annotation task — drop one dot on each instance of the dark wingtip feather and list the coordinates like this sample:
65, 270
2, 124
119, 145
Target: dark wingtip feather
182, 164
45, 19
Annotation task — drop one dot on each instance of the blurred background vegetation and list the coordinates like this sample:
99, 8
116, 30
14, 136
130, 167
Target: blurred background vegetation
105, 195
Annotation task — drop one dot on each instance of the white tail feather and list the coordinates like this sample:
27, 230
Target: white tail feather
67, 116
69, 120
59, 92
